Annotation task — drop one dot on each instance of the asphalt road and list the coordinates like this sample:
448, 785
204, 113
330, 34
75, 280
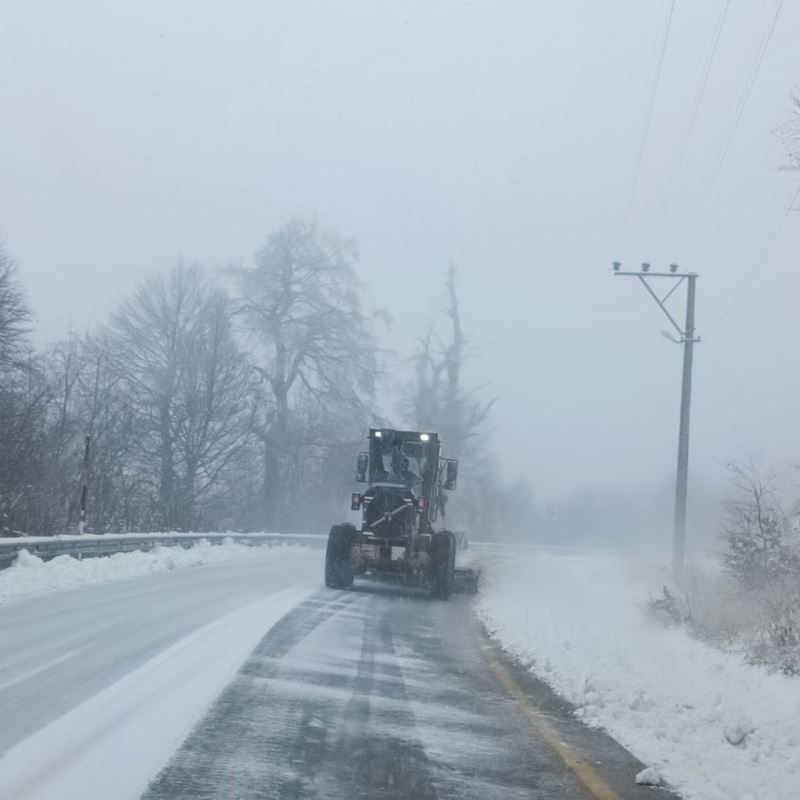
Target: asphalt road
381, 693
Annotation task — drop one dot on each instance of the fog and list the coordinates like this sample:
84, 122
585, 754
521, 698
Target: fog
503, 137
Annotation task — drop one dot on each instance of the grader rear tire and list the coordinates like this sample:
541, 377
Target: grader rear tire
338, 567
443, 566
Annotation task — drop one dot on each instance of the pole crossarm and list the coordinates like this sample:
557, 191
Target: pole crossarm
678, 278
628, 273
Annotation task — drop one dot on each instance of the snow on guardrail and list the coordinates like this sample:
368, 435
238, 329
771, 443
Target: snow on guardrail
93, 545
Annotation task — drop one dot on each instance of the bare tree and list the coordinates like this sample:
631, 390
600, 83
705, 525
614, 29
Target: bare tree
58, 486
23, 405
438, 398
174, 344
24, 400
214, 403
790, 133
754, 528
301, 307
119, 485
14, 313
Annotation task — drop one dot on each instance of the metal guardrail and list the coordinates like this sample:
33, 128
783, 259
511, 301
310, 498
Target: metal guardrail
92, 546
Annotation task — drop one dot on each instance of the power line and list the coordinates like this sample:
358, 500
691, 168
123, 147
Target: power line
692, 120
759, 263
750, 82
649, 118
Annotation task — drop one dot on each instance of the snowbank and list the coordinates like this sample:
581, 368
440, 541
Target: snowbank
712, 726
30, 576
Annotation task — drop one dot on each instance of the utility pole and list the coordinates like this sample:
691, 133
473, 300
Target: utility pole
84, 486
687, 338
682, 478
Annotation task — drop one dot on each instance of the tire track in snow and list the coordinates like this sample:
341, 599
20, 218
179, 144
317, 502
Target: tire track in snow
378, 746
252, 742
379, 693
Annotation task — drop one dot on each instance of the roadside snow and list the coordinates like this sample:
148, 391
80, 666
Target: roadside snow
713, 727
648, 777
29, 576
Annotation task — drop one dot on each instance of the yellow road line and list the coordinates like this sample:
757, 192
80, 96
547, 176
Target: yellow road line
596, 786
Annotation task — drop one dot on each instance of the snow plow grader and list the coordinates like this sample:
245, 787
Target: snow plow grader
407, 477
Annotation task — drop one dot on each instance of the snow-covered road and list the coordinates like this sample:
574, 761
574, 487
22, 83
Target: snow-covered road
278, 682
280, 685
380, 693
113, 675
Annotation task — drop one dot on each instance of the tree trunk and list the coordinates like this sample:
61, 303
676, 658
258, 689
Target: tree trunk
166, 493
274, 455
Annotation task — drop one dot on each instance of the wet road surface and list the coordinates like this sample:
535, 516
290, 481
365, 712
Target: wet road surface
381, 693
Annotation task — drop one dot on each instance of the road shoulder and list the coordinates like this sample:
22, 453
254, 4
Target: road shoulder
605, 768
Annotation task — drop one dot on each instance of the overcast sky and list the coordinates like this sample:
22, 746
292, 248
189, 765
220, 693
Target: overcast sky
503, 136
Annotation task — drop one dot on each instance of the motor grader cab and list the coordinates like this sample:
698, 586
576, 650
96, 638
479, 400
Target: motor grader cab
407, 479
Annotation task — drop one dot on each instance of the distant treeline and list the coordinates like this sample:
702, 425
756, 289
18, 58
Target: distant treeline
234, 400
